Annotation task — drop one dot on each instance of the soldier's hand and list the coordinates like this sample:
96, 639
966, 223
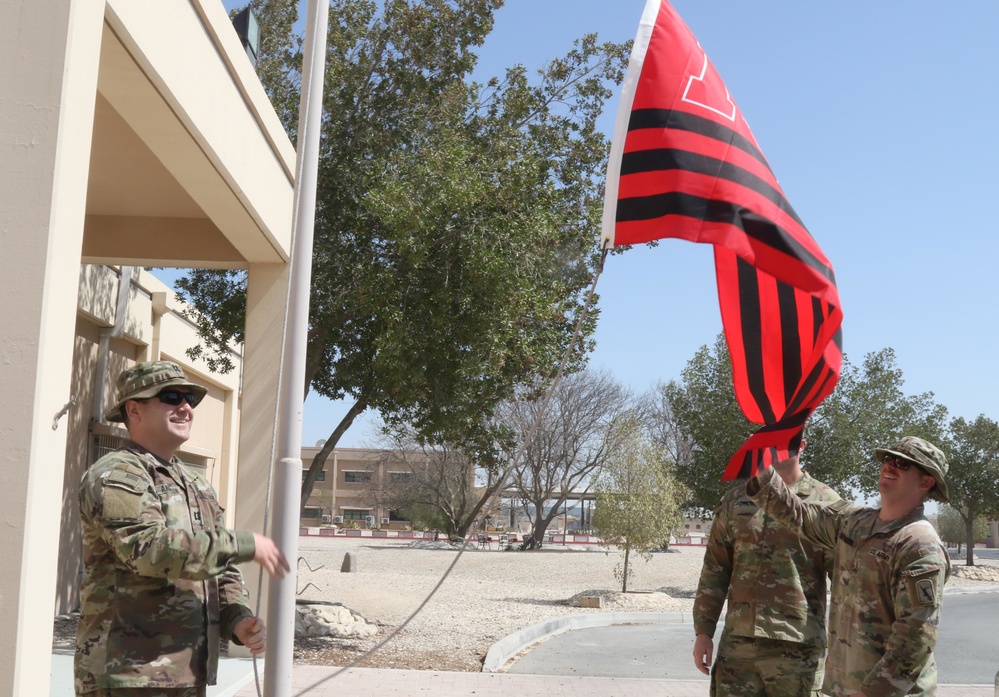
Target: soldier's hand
253, 634
269, 556
704, 647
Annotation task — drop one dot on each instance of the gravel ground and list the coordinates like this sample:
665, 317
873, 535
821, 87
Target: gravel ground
488, 595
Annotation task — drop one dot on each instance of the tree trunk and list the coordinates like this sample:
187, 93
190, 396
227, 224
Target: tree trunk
970, 537
627, 553
541, 523
314, 350
470, 519
320, 459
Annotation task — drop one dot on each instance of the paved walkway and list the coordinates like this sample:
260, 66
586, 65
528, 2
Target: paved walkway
321, 681
236, 680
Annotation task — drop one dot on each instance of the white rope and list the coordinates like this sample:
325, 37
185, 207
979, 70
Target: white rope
536, 424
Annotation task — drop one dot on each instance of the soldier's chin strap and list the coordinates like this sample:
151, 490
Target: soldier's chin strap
515, 460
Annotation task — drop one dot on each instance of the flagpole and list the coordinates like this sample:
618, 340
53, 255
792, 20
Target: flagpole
288, 475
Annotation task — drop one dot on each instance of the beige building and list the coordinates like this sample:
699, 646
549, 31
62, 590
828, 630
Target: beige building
152, 326
132, 134
354, 488
694, 527
346, 493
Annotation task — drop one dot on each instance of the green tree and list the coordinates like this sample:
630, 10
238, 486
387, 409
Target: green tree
638, 501
973, 476
702, 407
456, 223
699, 420
954, 529
868, 409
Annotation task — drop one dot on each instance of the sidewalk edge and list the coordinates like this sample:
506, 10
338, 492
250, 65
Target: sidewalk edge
502, 651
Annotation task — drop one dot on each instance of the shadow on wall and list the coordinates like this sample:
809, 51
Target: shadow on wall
78, 451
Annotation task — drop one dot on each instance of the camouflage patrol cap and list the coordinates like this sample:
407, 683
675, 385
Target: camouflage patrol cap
928, 456
144, 380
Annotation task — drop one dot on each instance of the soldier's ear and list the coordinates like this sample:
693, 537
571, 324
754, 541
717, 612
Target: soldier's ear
927, 483
132, 409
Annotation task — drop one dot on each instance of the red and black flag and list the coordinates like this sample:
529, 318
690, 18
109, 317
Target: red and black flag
685, 164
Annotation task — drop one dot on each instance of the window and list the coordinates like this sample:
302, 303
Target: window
399, 477
356, 477
355, 514
395, 515
321, 477
698, 526
311, 513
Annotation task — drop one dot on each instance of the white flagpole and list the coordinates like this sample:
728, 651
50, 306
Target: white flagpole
288, 474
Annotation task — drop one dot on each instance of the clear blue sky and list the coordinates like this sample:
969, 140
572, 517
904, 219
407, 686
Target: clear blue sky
879, 120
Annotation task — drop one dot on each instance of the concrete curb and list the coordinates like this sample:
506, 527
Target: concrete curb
965, 590
502, 651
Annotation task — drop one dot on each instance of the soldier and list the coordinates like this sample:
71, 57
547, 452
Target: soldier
889, 571
775, 583
160, 583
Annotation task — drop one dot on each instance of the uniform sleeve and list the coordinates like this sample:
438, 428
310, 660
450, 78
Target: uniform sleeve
234, 601
917, 604
716, 572
125, 505
818, 523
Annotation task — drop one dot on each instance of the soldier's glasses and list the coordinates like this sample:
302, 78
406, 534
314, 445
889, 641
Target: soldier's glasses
174, 398
900, 464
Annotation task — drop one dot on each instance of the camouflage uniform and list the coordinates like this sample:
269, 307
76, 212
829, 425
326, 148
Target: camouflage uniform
886, 591
161, 583
775, 585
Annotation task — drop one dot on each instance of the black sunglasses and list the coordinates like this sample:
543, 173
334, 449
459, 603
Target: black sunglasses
900, 464
175, 397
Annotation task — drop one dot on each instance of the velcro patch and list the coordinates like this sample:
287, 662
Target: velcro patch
121, 504
122, 499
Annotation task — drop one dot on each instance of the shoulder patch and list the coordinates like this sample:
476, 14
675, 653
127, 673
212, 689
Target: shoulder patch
921, 582
926, 591
122, 496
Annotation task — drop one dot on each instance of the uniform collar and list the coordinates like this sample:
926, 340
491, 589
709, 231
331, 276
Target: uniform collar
893, 525
152, 458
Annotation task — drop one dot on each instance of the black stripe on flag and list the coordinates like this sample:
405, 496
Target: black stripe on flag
716, 211
752, 342
685, 121
666, 159
790, 341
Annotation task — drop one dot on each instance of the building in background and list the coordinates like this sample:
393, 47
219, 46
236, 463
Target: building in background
132, 135
347, 490
367, 488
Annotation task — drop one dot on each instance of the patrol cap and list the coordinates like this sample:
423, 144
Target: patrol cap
928, 456
144, 380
